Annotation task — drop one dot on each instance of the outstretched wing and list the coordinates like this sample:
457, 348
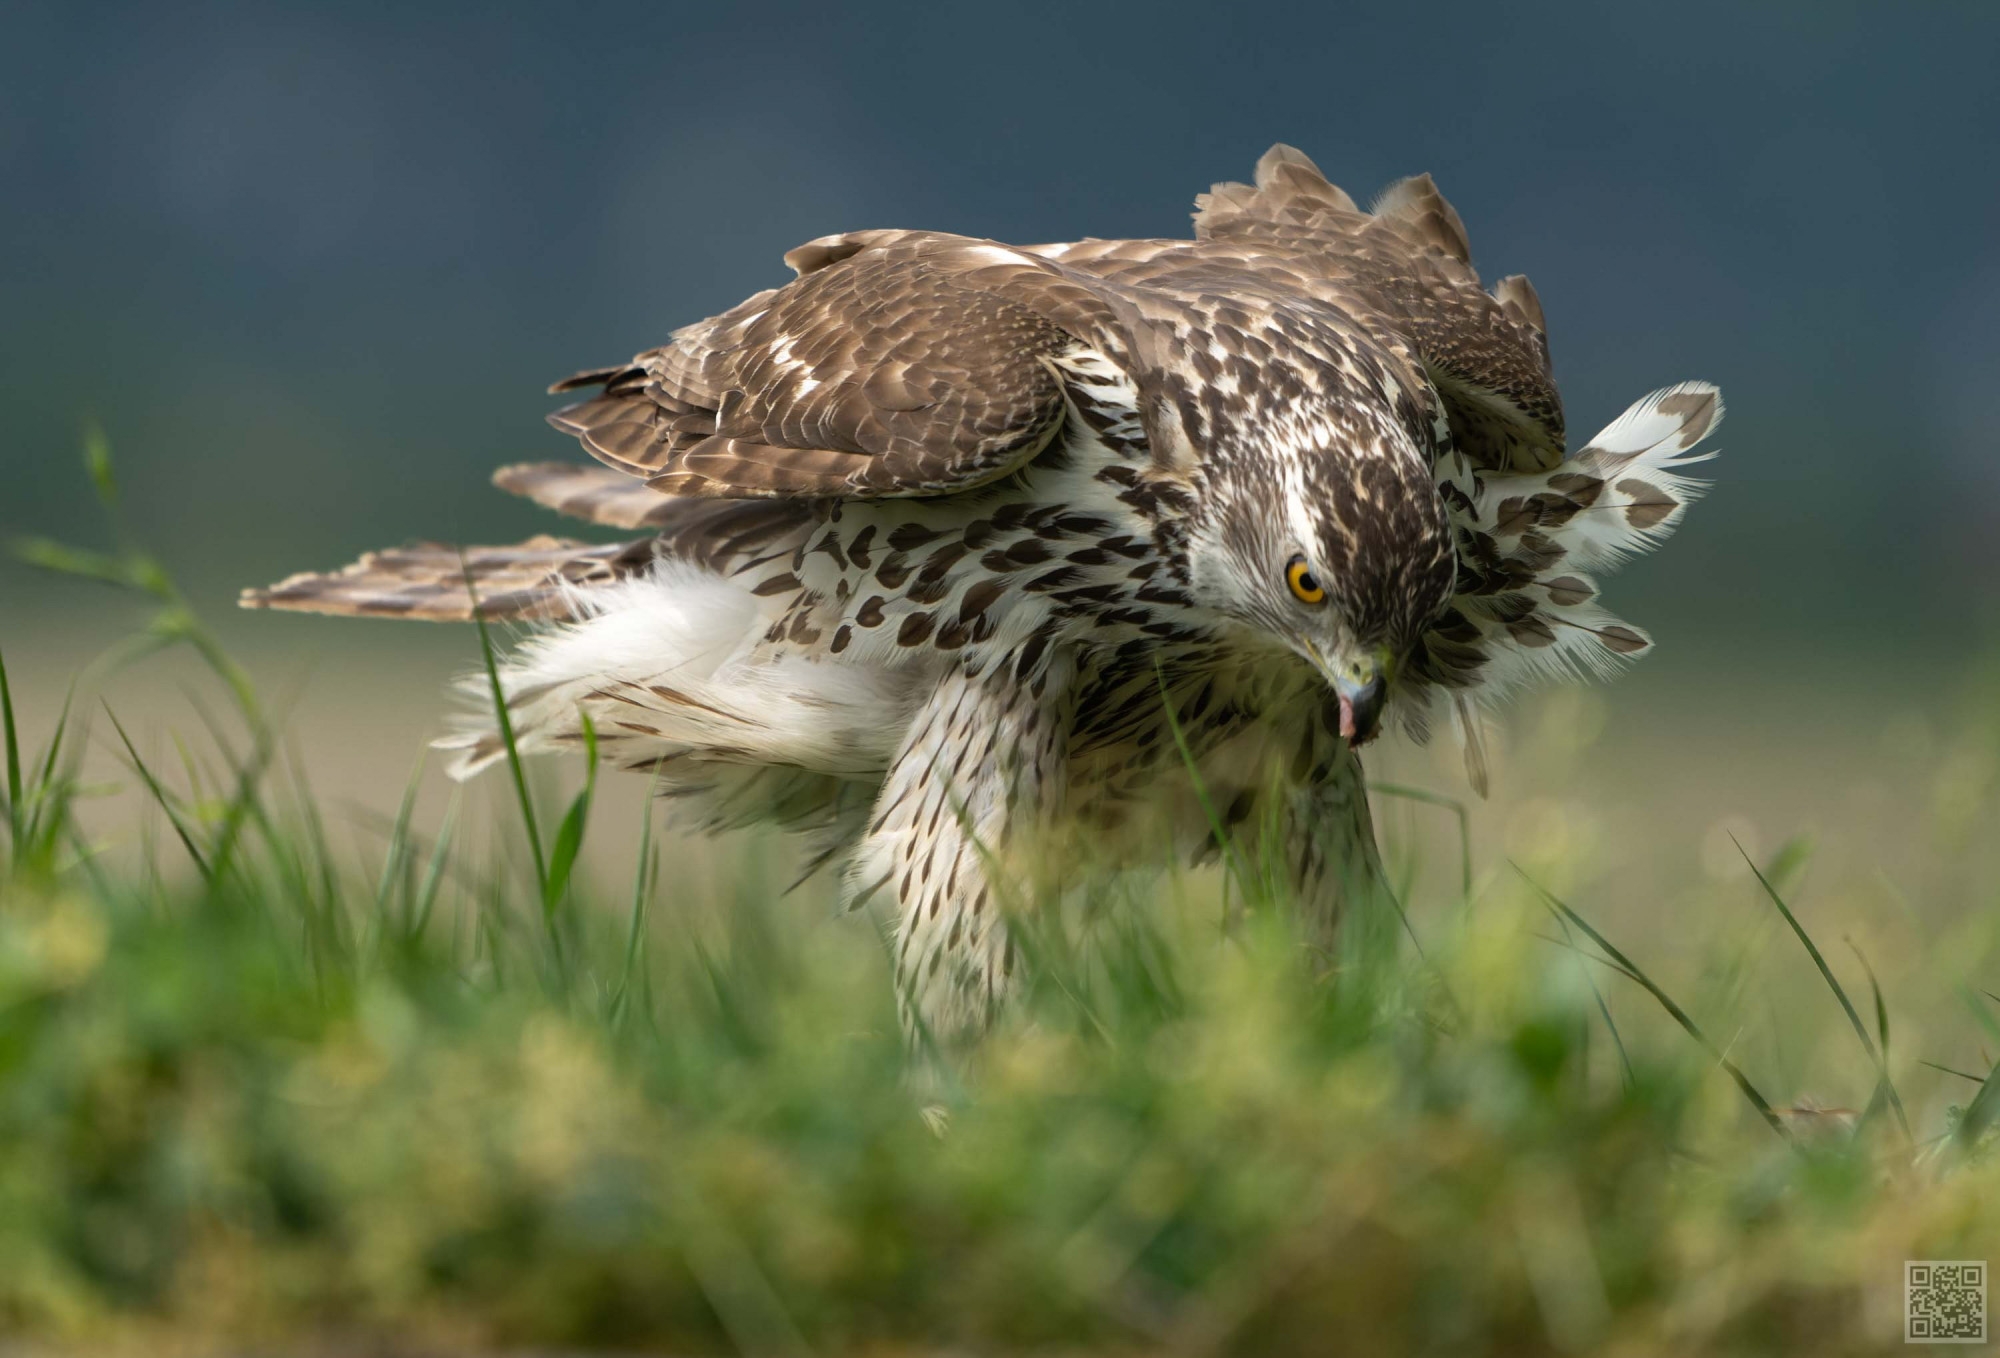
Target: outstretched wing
531, 581
897, 363
595, 494
1527, 604
546, 579
1408, 264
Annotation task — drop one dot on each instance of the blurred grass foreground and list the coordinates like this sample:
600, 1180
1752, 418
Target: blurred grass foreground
257, 1094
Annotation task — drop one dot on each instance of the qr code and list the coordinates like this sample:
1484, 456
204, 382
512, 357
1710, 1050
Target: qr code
1944, 1301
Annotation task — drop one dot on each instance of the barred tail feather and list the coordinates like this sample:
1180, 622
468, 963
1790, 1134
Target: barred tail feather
532, 581
592, 493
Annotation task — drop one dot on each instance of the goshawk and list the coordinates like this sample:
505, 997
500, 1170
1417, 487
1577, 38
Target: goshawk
949, 544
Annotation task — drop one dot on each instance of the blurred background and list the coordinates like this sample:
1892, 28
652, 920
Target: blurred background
310, 268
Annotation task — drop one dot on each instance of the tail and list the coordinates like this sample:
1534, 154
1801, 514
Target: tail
591, 493
1527, 607
539, 580
649, 638
534, 581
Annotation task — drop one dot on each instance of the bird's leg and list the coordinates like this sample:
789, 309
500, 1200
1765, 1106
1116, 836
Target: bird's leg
1334, 862
1321, 831
977, 776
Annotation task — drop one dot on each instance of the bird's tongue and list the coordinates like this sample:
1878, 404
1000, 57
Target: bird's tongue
1346, 718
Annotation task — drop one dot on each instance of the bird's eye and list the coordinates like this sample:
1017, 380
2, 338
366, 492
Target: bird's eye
1305, 585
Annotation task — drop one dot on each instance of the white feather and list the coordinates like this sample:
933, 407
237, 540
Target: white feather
1644, 430
1632, 495
663, 664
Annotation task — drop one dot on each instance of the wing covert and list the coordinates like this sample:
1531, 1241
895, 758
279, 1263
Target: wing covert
897, 363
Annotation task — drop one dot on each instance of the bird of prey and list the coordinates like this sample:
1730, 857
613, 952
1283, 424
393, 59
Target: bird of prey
949, 545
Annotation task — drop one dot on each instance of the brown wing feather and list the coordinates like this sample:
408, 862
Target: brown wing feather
1409, 263
427, 581
898, 363
914, 363
591, 493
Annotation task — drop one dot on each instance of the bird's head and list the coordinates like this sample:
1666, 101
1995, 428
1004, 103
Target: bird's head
1328, 537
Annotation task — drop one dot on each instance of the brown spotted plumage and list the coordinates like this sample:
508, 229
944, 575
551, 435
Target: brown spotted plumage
954, 546
437, 583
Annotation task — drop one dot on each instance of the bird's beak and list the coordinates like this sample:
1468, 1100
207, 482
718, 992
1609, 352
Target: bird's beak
1360, 708
1362, 685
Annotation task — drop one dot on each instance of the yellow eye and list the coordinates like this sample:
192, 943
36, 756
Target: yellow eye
1305, 585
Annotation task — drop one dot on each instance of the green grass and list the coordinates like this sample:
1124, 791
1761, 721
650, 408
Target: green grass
255, 1086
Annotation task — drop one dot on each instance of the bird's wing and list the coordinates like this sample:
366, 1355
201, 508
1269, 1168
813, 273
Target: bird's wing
432, 582
1407, 264
1527, 604
897, 363
587, 491
546, 579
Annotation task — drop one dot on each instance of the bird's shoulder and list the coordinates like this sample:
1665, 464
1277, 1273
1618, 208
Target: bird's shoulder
1407, 263
917, 363
895, 363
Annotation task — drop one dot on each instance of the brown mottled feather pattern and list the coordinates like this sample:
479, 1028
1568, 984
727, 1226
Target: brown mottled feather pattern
932, 528
916, 363
1409, 263
899, 363
730, 537
427, 581
725, 536
594, 494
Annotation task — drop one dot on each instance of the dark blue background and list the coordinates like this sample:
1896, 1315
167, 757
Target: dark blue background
311, 266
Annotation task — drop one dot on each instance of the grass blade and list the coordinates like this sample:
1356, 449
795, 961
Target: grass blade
1979, 1115
41, 792
1981, 1013
506, 724
13, 738
1451, 804
241, 805
1604, 1009
1679, 1015
569, 835
97, 461
161, 796
1789, 861
1876, 1055
434, 874
59, 559
645, 880
1225, 842
1874, 988
396, 857
1812, 950
1883, 1087
1569, 942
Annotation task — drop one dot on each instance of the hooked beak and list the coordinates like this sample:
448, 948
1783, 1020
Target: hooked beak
1360, 709
1362, 687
